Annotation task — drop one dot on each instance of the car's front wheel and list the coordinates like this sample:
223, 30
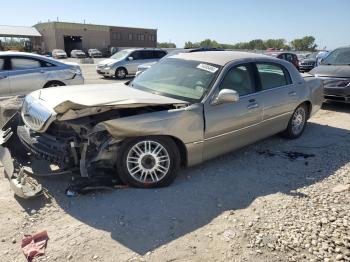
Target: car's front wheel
297, 122
121, 73
148, 162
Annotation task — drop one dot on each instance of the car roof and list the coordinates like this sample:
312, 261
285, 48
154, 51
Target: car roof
16, 53
218, 58
141, 49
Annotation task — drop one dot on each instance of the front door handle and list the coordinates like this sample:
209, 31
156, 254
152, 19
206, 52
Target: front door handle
3, 77
253, 106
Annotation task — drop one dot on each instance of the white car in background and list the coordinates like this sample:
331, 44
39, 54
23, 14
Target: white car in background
22, 73
124, 63
77, 53
59, 53
94, 53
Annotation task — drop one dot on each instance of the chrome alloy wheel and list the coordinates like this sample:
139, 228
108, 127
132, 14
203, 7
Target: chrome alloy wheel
298, 121
148, 161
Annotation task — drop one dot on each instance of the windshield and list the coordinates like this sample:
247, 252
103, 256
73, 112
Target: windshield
120, 55
339, 56
181, 79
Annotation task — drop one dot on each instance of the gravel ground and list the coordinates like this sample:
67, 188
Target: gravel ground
255, 204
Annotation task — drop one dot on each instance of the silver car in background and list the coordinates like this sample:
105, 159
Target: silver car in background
59, 53
125, 63
94, 53
22, 73
77, 53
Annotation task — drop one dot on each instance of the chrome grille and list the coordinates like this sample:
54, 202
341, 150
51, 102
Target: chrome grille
336, 82
34, 114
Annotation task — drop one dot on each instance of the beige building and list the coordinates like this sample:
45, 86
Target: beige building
69, 36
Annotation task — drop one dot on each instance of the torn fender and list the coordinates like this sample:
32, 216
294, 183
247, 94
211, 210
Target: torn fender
186, 124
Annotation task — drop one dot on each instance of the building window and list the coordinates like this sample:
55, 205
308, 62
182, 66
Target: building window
130, 37
142, 37
116, 36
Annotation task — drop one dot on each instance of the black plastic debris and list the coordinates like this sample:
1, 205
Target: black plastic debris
291, 155
83, 186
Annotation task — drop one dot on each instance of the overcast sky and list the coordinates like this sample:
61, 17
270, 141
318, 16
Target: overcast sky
227, 21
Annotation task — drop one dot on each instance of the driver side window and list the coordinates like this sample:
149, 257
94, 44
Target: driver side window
240, 79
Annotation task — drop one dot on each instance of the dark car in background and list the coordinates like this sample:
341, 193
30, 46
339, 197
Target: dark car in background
290, 57
334, 70
308, 63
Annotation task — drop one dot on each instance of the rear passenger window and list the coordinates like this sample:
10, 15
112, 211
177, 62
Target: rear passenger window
23, 63
239, 79
2, 64
273, 75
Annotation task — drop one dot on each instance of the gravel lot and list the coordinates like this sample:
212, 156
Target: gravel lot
255, 204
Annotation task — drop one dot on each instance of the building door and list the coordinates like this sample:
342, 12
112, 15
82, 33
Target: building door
72, 42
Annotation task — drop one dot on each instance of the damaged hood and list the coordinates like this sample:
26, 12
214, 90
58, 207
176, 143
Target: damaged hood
62, 99
42, 107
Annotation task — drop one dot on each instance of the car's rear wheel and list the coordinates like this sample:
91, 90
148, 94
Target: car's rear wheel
121, 73
53, 84
297, 122
148, 162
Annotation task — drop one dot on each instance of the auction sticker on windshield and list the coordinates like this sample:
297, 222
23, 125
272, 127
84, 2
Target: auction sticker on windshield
209, 68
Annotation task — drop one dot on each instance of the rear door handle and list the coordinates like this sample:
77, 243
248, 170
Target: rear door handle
292, 93
3, 77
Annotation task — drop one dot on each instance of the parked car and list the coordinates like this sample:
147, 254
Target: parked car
94, 53
308, 63
59, 53
125, 62
321, 56
290, 57
334, 70
186, 109
77, 53
22, 73
146, 66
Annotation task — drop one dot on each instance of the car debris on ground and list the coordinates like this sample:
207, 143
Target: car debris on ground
34, 245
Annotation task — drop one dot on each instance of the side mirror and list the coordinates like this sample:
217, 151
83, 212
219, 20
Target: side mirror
130, 58
226, 96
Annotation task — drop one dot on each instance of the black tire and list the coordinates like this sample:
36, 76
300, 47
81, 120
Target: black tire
121, 73
292, 132
165, 179
53, 84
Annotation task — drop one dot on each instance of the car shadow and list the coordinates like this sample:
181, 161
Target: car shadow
336, 106
143, 220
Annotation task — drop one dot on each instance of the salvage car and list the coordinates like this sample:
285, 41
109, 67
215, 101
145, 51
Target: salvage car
59, 54
308, 63
94, 53
184, 110
77, 53
290, 57
334, 71
22, 73
124, 63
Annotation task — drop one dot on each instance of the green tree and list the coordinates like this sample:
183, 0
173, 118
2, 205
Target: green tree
189, 44
209, 43
306, 43
166, 45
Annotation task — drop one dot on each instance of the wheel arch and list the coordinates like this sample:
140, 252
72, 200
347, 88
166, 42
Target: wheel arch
48, 83
121, 67
309, 107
